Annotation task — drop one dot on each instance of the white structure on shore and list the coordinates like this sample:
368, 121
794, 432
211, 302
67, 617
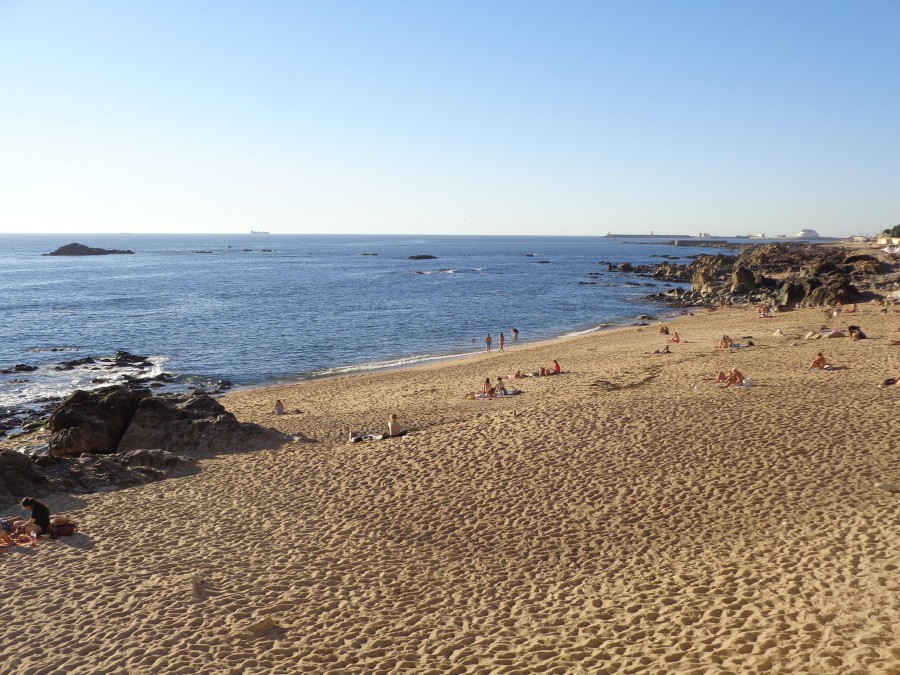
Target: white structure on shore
806, 234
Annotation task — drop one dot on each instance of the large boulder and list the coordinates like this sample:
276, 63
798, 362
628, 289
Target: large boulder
93, 422
834, 289
704, 280
198, 424
794, 291
743, 280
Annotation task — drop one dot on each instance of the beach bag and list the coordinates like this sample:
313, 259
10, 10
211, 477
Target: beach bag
62, 527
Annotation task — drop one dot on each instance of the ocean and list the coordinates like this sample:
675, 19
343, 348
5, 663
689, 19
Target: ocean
263, 308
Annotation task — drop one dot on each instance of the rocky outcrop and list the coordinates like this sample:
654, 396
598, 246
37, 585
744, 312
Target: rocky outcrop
124, 437
704, 280
19, 477
197, 424
93, 422
805, 274
423, 257
742, 280
81, 249
122, 420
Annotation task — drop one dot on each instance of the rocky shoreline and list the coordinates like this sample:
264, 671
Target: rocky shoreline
123, 369
121, 437
784, 275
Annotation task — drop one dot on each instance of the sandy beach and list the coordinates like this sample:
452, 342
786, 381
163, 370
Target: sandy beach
627, 516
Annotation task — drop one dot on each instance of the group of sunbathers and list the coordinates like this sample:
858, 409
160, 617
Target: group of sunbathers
23, 531
494, 389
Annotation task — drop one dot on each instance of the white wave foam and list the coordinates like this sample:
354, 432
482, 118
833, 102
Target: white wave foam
386, 364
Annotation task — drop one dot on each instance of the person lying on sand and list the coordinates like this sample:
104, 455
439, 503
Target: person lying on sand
518, 375
664, 350
725, 342
819, 363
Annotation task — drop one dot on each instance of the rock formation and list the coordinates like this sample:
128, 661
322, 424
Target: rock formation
19, 477
197, 424
93, 422
121, 420
806, 274
81, 249
121, 437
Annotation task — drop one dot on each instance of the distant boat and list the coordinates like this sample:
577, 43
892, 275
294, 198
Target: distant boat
258, 232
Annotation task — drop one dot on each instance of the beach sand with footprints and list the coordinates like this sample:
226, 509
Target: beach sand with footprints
627, 516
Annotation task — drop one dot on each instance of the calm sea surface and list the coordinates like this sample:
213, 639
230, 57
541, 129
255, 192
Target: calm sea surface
309, 306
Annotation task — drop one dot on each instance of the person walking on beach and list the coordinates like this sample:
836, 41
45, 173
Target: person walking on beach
487, 342
515, 332
502, 341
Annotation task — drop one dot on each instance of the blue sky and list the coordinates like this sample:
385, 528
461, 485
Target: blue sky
572, 118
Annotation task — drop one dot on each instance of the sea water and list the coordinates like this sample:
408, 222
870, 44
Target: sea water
261, 308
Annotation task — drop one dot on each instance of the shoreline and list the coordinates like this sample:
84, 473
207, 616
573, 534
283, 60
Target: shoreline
449, 359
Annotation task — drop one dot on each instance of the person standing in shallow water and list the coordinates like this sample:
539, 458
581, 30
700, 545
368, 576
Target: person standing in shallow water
487, 342
502, 341
515, 333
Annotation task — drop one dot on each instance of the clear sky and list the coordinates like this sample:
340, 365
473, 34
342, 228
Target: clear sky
488, 117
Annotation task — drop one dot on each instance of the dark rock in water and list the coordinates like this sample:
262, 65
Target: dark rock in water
223, 384
81, 249
127, 359
530, 255
423, 257
543, 262
74, 363
93, 422
198, 424
19, 477
626, 267
18, 368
